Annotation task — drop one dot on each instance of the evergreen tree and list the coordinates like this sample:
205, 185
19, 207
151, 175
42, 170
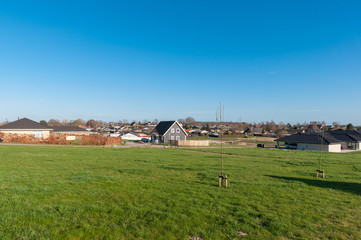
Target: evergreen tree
349, 126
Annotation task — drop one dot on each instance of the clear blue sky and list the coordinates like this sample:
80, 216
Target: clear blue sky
290, 61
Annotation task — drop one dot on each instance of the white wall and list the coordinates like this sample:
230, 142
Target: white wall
334, 147
317, 147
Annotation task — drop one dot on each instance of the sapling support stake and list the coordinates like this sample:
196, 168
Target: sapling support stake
222, 180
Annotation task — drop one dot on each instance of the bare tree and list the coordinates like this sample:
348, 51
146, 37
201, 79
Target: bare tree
64, 122
54, 122
77, 122
270, 126
314, 125
337, 125
92, 123
190, 120
181, 120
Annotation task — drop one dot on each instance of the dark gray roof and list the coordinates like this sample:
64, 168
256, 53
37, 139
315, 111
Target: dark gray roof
346, 135
340, 131
24, 124
68, 129
317, 138
163, 127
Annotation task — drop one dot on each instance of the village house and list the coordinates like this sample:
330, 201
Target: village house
331, 141
350, 139
71, 133
168, 130
255, 131
26, 126
70, 130
311, 142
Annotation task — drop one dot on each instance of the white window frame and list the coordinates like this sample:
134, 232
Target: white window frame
171, 137
177, 138
178, 130
172, 130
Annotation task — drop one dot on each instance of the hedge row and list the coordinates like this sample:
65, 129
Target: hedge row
60, 140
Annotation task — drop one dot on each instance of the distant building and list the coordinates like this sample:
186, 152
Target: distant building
168, 130
312, 142
331, 141
26, 126
131, 137
256, 131
72, 130
350, 139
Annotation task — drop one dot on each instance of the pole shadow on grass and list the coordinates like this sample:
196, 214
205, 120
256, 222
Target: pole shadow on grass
350, 187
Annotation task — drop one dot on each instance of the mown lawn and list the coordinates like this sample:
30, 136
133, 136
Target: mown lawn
102, 193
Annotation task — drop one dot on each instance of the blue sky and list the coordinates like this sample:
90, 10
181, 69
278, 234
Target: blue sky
290, 61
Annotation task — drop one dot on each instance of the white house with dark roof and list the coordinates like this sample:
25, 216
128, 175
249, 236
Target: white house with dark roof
168, 130
312, 142
26, 126
351, 139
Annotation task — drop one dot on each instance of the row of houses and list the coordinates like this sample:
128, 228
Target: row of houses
164, 132
26, 126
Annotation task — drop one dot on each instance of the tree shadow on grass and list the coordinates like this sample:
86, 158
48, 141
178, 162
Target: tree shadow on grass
350, 187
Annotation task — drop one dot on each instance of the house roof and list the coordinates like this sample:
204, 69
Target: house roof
318, 138
346, 135
254, 130
68, 129
340, 131
24, 124
163, 127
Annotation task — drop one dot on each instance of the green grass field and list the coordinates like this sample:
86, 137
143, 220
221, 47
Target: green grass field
104, 193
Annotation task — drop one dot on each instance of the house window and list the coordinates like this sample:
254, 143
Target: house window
38, 134
172, 130
177, 137
172, 138
178, 130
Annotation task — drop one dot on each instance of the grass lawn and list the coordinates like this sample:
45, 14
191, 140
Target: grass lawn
103, 193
